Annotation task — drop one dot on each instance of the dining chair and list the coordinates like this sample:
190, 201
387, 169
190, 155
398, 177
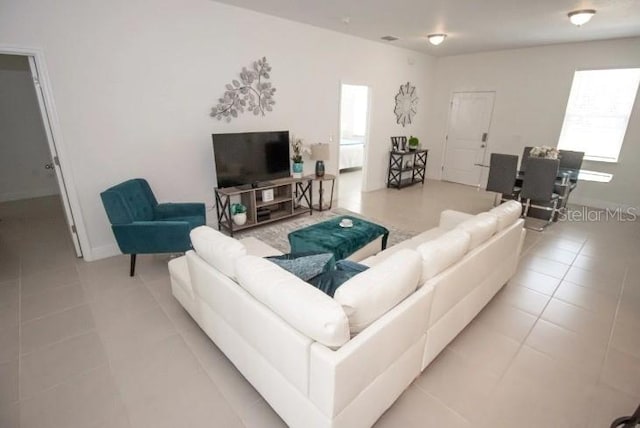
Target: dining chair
525, 158
571, 162
538, 187
502, 177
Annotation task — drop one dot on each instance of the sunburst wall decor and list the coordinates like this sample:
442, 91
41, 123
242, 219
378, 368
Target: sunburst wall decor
406, 104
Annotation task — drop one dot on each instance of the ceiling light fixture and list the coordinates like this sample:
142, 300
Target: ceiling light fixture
580, 17
436, 39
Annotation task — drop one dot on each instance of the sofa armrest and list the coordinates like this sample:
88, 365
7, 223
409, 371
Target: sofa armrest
186, 209
149, 237
450, 218
337, 377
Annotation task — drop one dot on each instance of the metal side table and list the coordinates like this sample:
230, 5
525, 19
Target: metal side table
327, 177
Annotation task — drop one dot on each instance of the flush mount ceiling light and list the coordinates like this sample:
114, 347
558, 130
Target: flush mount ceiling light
436, 39
580, 17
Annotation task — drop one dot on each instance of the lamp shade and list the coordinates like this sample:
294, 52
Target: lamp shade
436, 39
580, 17
320, 151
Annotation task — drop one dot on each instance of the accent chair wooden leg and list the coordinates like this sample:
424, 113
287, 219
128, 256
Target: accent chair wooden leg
132, 270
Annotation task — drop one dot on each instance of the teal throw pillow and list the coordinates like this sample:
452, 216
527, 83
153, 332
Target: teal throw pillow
306, 265
329, 282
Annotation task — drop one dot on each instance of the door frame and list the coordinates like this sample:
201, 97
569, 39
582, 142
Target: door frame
365, 154
448, 131
57, 148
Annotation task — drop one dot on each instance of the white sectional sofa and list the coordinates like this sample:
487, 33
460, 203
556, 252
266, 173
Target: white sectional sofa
342, 361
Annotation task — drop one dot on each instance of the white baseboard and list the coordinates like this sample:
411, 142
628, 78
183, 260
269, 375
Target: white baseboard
28, 194
97, 253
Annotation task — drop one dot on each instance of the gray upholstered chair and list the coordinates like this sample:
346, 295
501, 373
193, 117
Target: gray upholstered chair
571, 162
538, 186
525, 158
502, 176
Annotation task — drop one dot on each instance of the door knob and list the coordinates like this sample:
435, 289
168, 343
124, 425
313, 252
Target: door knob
48, 166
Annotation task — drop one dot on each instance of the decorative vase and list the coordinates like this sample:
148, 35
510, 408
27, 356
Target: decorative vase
240, 218
319, 168
297, 169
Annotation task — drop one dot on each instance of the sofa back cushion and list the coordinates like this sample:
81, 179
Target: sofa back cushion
507, 213
219, 250
480, 228
370, 294
442, 252
302, 306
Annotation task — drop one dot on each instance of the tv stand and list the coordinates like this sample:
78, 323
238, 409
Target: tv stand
291, 197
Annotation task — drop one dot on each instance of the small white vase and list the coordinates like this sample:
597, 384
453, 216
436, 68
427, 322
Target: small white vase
240, 219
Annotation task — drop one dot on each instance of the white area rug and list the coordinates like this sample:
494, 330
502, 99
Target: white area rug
276, 233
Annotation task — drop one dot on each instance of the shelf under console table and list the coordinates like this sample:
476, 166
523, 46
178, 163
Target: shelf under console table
291, 197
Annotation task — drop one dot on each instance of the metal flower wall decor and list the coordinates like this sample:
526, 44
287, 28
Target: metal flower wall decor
252, 93
406, 104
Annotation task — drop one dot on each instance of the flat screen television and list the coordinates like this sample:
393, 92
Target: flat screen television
251, 158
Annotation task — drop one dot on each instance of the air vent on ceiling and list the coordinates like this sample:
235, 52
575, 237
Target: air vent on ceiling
389, 38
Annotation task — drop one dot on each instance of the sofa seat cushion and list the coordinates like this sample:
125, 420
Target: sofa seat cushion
370, 294
507, 213
302, 306
438, 254
409, 244
256, 247
305, 265
480, 228
219, 250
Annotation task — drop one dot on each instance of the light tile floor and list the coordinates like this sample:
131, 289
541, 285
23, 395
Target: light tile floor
84, 345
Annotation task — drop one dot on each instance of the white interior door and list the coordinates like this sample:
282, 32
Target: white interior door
54, 154
467, 136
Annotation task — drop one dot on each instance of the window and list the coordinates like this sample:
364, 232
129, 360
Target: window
598, 112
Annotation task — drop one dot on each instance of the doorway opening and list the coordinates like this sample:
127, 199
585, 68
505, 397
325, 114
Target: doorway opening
33, 192
354, 139
467, 137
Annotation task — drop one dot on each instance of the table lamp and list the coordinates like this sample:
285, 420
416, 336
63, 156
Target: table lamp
320, 153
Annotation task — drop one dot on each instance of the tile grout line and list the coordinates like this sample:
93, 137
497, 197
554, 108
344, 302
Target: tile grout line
104, 349
57, 312
539, 316
442, 403
615, 317
197, 358
19, 333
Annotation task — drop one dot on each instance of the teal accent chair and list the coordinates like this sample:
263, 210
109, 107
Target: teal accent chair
143, 226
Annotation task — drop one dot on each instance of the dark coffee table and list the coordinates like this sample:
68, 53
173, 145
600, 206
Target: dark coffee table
328, 236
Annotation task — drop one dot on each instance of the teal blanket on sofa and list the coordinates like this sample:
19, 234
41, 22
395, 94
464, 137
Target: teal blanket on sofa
328, 236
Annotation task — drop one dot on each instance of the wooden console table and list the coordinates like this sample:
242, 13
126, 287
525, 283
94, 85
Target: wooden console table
398, 167
288, 197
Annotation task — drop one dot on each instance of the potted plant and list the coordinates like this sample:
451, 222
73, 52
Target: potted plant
239, 214
413, 143
298, 149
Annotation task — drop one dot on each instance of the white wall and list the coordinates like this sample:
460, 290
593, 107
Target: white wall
532, 88
23, 143
134, 81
